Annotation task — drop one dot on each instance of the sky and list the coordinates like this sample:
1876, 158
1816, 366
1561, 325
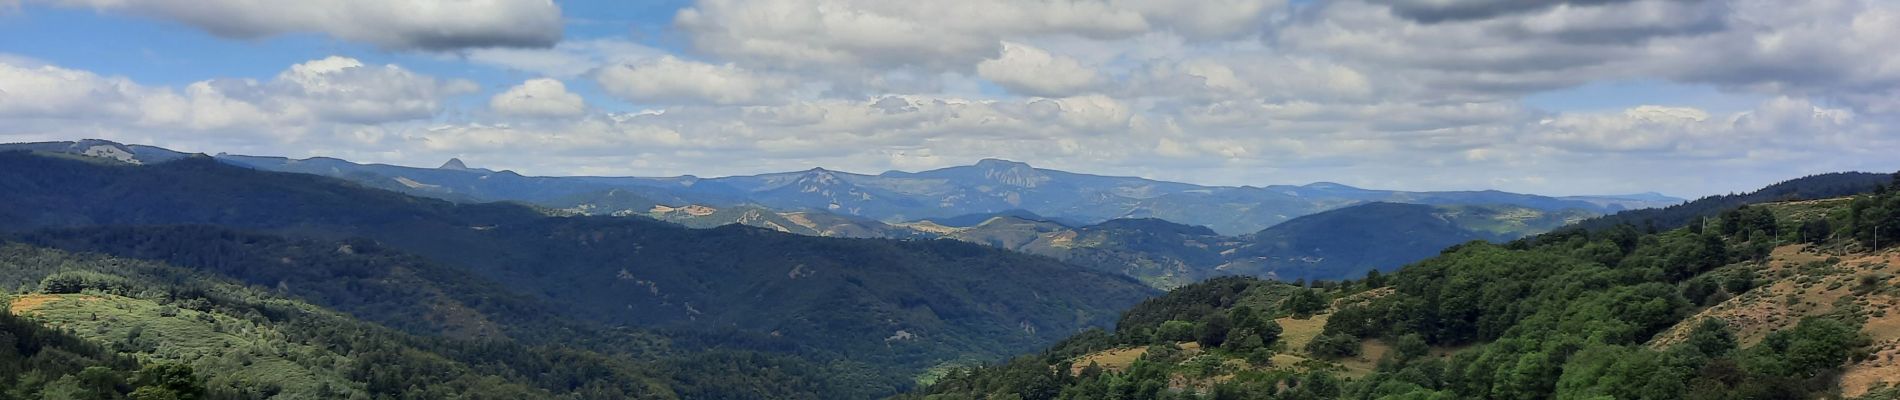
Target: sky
1560, 97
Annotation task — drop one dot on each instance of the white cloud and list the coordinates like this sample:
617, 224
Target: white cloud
1031, 71
391, 24
940, 34
1219, 91
672, 80
50, 91
1785, 125
343, 89
1838, 49
322, 94
568, 59
538, 98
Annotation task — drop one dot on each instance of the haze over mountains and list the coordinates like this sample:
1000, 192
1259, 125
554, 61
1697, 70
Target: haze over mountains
989, 186
1146, 229
880, 311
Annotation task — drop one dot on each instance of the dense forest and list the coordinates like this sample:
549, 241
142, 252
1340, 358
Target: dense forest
37, 362
1819, 186
193, 279
1611, 313
493, 294
249, 342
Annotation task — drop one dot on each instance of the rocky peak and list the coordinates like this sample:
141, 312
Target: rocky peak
454, 164
818, 177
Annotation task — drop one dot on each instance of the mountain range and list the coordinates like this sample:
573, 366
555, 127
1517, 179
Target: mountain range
988, 186
194, 274
877, 311
1354, 230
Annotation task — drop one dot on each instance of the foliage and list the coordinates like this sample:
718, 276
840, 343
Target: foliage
1819, 186
579, 293
1349, 242
1334, 345
252, 343
1566, 315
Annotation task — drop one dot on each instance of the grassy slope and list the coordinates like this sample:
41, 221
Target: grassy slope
1456, 300
238, 350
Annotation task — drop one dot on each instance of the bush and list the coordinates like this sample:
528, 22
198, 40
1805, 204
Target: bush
1304, 303
1176, 331
68, 282
1165, 353
1336, 345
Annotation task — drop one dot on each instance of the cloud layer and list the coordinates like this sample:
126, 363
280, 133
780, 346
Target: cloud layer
1412, 94
391, 24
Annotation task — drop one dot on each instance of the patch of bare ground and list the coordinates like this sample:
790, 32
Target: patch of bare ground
25, 304
1807, 282
1881, 369
1804, 282
1119, 359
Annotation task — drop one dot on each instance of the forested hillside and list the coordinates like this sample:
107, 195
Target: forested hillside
1331, 245
948, 195
819, 317
1361, 234
1782, 300
250, 342
1348, 242
1819, 186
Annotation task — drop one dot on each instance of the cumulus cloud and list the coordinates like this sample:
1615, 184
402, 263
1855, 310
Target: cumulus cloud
1838, 49
1782, 125
1371, 92
940, 34
343, 89
1028, 70
672, 80
1432, 11
568, 59
32, 90
1844, 50
318, 94
391, 24
538, 98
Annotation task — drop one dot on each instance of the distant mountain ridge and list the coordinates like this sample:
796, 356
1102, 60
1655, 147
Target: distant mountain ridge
1337, 244
901, 306
988, 186
1818, 186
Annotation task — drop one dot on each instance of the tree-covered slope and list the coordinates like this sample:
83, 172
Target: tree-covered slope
1820, 186
1335, 244
41, 362
1347, 242
1160, 253
987, 187
897, 305
1785, 300
250, 342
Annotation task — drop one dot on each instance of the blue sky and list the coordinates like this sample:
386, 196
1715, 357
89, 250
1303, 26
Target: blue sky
1574, 98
